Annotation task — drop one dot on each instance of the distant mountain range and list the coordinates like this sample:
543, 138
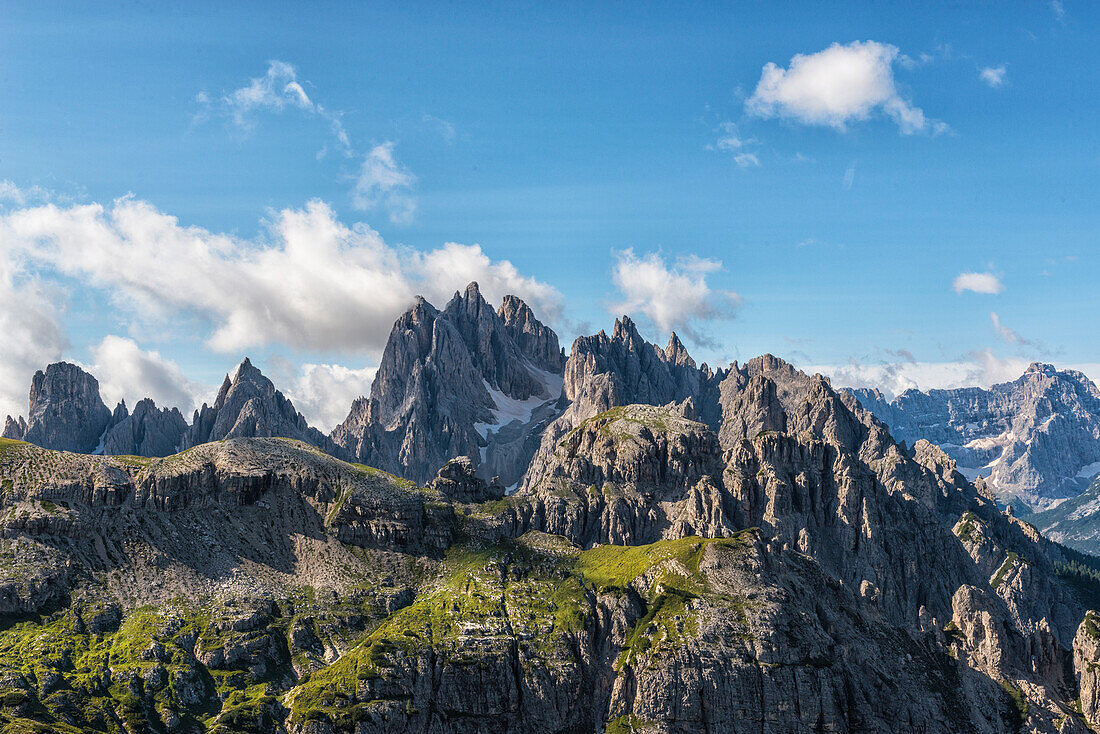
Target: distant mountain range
1036, 439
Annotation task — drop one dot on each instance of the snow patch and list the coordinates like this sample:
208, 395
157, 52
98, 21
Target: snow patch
1089, 470
510, 409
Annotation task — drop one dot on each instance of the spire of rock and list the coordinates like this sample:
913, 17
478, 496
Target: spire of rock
441, 385
248, 406
15, 428
66, 411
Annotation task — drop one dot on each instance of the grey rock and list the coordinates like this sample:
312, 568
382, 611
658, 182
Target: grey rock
458, 480
249, 406
66, 412
464, 381
148, 431
15, 429
1035, 439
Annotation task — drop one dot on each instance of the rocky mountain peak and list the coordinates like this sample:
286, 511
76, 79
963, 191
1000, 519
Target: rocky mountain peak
535, 340
249, 405
66, 411
148, 431
15, 428
1036, 439
677, 353
469, 380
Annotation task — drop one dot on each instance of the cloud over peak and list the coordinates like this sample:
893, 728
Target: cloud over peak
675, 297
312, 283
838, 86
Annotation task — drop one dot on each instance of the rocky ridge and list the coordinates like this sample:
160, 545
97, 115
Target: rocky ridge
1036, 439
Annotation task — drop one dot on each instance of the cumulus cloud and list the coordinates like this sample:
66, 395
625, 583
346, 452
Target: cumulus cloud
384, 183
310, 283
985, 283
994, 76
127, 372
277, 90
32, 334
323, 392
675, 297
837, 86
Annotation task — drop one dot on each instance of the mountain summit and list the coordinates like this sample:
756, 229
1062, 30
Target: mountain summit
465, 381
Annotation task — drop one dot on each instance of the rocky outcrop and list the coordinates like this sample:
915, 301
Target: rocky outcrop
1086, 663
604, 372
464, 381
249, 406
15, 429
148, 431
66, 412
458, 481
534, 339
1036, 439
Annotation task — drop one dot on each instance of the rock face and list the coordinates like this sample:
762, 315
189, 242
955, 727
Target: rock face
604, 371
458, 480
249, 406
66, 412
148, 431
1074, 522
464, 381
1036, 439
1086, 663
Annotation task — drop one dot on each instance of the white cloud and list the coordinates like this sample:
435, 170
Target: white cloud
994, 76
979, 368
125, 371
384, 183
985, 283
745, 160
837, 86
730, 141
11, 194
278, 89
324, 392
32, 334
1058, 9
849, 176
311, 283
1005, 333
674, 297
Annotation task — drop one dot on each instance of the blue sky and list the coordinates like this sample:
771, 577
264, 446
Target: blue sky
594, 157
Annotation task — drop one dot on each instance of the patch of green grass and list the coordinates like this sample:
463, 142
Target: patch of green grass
1009, 563
970, 524
1017, 708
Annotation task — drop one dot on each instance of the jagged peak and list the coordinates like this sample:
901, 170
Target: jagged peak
677, 353
625, 330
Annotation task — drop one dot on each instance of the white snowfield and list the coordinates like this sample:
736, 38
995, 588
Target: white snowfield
509, 409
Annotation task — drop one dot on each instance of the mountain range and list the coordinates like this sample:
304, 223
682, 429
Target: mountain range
503, 538
1036, 439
